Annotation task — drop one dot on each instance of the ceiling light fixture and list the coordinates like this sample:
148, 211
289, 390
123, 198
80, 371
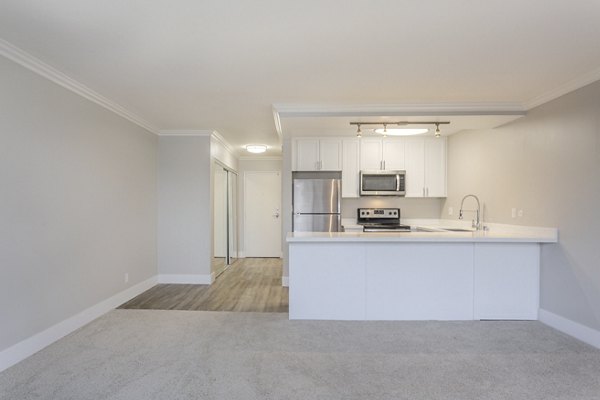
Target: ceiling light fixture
401, 131
256, 148
404, 131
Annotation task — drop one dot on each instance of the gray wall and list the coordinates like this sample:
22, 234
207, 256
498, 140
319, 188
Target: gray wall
184, 205
548, 165
245, 166
78, 203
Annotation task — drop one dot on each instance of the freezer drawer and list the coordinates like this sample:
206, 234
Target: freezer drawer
317, 223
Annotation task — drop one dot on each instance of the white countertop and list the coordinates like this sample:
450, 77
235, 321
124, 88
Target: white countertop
497, 233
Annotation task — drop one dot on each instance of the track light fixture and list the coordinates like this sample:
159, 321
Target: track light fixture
404, 131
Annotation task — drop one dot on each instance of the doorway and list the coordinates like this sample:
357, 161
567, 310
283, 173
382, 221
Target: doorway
262, 214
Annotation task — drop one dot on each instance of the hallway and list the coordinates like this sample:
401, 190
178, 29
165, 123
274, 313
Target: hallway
249, 285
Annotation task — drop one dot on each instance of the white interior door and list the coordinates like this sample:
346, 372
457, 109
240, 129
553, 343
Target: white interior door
262, 214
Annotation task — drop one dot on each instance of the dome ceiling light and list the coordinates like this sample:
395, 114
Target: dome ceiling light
256, 148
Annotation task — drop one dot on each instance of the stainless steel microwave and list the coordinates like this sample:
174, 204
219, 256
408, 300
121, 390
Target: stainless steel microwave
382, 183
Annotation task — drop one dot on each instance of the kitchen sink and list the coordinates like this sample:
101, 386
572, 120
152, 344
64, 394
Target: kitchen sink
458, 230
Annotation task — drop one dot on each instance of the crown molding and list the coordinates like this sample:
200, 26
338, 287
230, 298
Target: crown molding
185, 132
39, 67
217, 136
563, 89
201, 132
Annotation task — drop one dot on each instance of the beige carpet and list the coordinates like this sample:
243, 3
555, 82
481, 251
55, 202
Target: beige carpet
143, 354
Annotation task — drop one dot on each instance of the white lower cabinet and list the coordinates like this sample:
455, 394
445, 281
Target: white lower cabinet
337, 292
413, 281
506, 281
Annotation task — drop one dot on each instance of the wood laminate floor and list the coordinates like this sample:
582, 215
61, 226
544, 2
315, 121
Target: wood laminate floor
250, 284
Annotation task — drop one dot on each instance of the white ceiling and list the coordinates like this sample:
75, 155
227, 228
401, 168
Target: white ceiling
221, 65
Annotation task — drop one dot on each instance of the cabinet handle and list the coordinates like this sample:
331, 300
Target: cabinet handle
384, 164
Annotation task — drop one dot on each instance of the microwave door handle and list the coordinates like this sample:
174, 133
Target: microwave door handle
397, 182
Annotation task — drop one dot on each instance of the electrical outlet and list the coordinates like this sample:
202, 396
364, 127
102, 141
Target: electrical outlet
450, 211
126, 278
513, 212
520, 213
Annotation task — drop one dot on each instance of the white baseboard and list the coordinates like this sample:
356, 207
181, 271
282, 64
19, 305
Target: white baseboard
572, 328
37, 342
285, 281
181, 278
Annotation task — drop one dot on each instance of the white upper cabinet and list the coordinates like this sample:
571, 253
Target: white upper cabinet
415, 167
393, 154
381, 154
371, 154
423, 159
317, 154
435, 167
425, 167
350, 168
330, 151
306, 154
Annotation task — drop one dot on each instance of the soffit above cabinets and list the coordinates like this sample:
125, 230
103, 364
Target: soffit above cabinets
306, 121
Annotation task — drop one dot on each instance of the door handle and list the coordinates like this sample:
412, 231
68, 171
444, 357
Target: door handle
276, 215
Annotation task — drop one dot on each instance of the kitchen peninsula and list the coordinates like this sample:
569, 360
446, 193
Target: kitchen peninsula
429, 273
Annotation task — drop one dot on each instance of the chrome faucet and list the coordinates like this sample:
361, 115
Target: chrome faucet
476, 223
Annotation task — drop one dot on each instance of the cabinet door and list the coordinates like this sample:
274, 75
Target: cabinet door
435, 167
330, 155
307, 155
350, 167
370, 154
414, 166
393, 154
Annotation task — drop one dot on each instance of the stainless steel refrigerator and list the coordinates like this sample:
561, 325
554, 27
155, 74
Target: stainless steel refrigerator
316, 203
